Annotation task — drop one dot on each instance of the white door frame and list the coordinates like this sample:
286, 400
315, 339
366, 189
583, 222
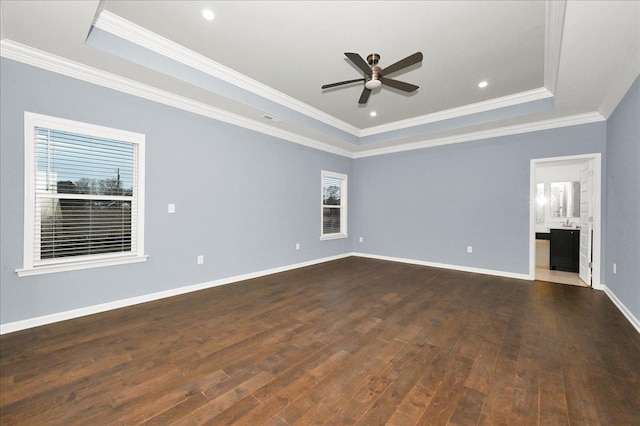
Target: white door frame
597, 212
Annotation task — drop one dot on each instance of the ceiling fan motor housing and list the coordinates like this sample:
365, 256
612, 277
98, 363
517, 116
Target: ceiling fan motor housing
374, 80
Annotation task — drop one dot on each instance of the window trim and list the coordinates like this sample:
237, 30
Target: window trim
31, 121
343, 205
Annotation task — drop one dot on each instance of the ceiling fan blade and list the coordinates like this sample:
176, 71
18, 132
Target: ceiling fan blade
327, 86
365, 96
359, 62
403, 63
400, 85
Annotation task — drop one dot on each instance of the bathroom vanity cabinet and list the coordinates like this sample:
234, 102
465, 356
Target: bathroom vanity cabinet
564, 250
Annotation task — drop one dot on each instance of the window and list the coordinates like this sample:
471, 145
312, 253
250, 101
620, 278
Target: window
84, 196
334, 205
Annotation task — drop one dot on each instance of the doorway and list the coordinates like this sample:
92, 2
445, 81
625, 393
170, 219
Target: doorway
565, 220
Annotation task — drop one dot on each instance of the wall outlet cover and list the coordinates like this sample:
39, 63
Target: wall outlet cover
469, 249
171, 208
200, 259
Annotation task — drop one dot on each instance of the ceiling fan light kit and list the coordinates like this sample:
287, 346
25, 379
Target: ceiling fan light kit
374, 75
373, 83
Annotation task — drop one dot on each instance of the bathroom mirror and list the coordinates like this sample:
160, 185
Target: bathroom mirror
565, 199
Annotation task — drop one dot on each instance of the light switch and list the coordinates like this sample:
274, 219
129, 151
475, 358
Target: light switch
171, 208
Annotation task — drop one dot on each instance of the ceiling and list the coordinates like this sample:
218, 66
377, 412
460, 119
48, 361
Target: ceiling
546, 63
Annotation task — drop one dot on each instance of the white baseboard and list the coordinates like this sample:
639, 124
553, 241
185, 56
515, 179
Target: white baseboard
90, 310
626, 312
447, 266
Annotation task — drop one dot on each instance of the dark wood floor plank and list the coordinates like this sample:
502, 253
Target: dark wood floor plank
340, 381
403, 375
275, 403
484, 363
524, 408
553, 403
447, 394
352, 341
411, 408
468, 408
497, 405
216, 404
580, 405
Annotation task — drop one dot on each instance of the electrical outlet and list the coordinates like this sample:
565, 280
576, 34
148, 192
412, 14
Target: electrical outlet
469, 249
615, 268
297, 246
171, 208
200, 260
361, 239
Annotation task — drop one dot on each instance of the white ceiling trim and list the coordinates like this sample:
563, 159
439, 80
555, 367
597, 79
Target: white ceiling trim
619, 87
30, 56
488, 105
554, 28
573, 120
136, 34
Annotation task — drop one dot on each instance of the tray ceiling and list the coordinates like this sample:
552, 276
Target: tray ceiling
543, 61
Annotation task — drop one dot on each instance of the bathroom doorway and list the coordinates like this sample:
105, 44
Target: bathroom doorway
565, 236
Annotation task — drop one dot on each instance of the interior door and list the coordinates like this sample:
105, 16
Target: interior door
586, 221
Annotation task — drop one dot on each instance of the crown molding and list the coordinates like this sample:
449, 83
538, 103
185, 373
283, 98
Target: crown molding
554, 29
30, 56
136, 34
619, 88
488, 105
140, 36
573, 120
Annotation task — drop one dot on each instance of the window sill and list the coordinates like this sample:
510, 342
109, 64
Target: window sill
333, 236
73, 266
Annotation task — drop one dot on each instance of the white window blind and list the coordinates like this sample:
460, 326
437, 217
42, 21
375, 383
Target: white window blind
334, 219
85, 198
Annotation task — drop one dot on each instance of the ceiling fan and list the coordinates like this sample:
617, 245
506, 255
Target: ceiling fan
374, 76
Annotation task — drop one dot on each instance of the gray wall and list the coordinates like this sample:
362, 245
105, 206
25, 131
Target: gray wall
623, 201
430, 204
243, 199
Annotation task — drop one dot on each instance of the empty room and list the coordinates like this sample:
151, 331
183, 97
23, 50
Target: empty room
319, 212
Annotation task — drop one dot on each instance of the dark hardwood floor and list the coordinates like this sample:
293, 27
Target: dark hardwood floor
350, 341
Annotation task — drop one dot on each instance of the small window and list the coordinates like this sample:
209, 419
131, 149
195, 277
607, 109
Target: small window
84, 195
334, 205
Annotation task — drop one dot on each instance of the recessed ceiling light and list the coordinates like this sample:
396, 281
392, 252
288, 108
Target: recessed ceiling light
373, 113
483, 84
208, 15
